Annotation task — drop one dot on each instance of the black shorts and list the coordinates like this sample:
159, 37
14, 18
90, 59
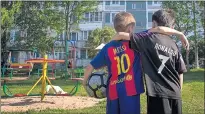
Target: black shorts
158, 105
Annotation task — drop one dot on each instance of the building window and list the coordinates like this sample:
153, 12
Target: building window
150, 16
115, 2
93, 16
85, 35
122, 2
73, 36
61, 36
96, 16
87, 17
12, 36
113, 16
99, 16
100, 2
156, 2
83, 54
107, 17
133, 6
150, 2
107, 2
139, 24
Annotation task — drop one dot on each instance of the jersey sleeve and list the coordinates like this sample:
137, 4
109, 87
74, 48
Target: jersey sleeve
138, 40
180, 65
99, 60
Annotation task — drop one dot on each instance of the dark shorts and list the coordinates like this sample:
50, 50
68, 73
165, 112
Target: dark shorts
124, 105
158, 105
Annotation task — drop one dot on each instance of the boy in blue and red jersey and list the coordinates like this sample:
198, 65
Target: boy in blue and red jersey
125, 83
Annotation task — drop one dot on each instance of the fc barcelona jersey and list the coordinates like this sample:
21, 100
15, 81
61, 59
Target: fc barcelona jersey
124, 69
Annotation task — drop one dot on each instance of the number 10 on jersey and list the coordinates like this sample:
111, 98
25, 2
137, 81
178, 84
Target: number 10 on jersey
120, 63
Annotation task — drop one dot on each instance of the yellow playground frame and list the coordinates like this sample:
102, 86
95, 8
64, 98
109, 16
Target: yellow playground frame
43, 79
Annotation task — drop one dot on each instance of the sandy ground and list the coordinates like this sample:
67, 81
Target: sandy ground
18, 104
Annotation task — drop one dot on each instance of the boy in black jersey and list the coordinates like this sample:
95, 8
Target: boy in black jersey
163, 65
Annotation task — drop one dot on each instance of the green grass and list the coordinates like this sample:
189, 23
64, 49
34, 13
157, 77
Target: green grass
192, 95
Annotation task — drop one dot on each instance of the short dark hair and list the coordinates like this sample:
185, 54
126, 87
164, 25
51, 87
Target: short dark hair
164, 17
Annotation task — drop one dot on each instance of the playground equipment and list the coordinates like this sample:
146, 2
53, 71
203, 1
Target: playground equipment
44, 78
26, 68
53, 72
16, 68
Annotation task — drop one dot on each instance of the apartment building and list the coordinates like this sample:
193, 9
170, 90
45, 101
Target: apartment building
142, 11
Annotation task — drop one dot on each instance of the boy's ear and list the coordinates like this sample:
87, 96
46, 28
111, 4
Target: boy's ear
154, 24
130, 28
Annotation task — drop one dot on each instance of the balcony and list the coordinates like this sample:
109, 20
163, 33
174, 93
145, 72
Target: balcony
77, 44
154, 5
90, 25
114, 8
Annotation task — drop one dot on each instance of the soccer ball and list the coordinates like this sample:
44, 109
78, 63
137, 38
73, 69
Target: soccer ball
96, 85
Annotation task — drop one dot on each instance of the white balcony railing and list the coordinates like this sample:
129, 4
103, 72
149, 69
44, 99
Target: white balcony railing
114, 8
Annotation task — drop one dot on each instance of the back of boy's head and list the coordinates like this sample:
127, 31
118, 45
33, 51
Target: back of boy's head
164, 17
122, 21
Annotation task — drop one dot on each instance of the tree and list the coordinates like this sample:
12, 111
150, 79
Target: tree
182, 13
201, 47
37, 19
183, 20
74, 13
34, 22
97, 37
187, 18
201, 5
8, 10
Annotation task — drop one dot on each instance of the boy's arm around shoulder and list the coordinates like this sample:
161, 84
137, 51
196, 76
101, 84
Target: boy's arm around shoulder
169, 31
121, 36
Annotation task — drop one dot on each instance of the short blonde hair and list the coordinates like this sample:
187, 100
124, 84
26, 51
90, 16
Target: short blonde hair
122, 20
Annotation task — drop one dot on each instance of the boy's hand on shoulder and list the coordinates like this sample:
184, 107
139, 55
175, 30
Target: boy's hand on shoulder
184, 41
121, 36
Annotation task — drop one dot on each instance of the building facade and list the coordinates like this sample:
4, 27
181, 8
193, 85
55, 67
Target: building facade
141, 10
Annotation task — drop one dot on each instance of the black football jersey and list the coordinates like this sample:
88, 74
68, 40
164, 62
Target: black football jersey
162, 64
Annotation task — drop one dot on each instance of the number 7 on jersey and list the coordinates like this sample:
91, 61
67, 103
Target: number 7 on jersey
164, 60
